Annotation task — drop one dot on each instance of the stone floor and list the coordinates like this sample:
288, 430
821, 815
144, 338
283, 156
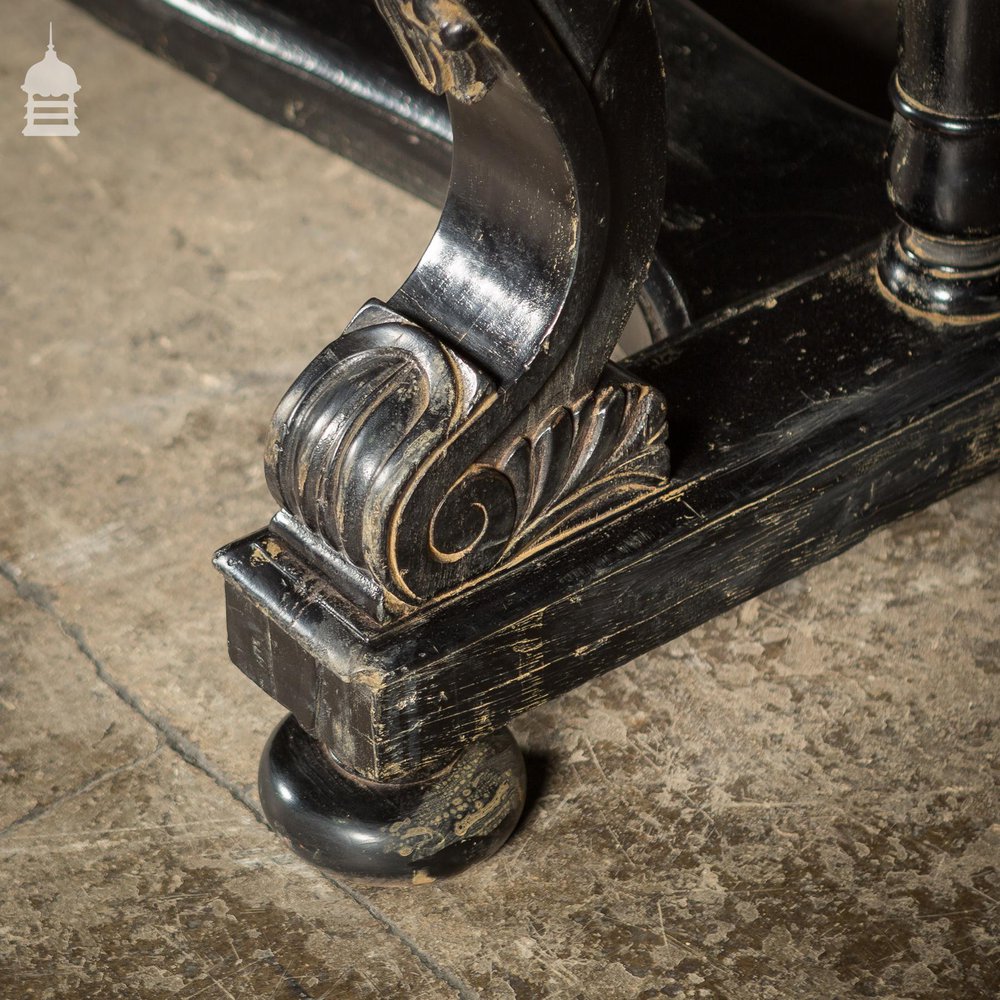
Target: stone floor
798, 800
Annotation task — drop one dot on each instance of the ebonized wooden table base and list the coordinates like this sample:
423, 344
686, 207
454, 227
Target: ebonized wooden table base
479, 513
798, 426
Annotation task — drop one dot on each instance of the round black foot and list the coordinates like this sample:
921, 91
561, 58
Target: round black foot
948, 278
417, 831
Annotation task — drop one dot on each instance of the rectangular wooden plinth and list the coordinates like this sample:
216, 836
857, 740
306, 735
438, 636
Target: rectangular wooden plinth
799, 423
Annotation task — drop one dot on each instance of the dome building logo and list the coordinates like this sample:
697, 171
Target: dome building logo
50, 78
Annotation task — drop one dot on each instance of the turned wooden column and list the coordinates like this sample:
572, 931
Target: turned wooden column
944, 159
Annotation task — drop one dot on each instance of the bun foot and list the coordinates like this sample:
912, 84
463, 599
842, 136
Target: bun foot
414, 831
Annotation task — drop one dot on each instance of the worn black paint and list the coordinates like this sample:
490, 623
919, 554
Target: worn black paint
797, 426
944, 159
473, 418
416, 831
768, 178
472, 415
806, 406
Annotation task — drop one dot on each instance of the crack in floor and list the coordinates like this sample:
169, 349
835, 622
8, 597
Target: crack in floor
189, 751
44, 808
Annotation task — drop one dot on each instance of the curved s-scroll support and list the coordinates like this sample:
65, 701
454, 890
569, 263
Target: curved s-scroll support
474, 417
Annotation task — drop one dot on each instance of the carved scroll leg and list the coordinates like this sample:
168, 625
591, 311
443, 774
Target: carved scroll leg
466, 425
415, 831
944, 161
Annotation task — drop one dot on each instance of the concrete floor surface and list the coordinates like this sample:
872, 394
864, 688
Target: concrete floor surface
797, 800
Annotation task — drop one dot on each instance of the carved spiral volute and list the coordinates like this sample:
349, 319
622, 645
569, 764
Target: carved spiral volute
361, 453
468, 422
369, 452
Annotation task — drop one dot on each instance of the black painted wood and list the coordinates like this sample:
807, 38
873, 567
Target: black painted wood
768, 176
476, 513
471, 418
416, 831
944, 160
798, 425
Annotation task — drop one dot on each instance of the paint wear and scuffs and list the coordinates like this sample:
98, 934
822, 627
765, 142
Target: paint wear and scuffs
475, 796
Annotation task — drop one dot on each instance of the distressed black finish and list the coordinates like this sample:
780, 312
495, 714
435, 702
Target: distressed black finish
461, 424
944, 159
799, 425
797, 428
477, 510
473, 419
768, 178
414, 831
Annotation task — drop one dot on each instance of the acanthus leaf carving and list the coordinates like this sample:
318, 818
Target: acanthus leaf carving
473, 419
444, 45
612, 442
358, 456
